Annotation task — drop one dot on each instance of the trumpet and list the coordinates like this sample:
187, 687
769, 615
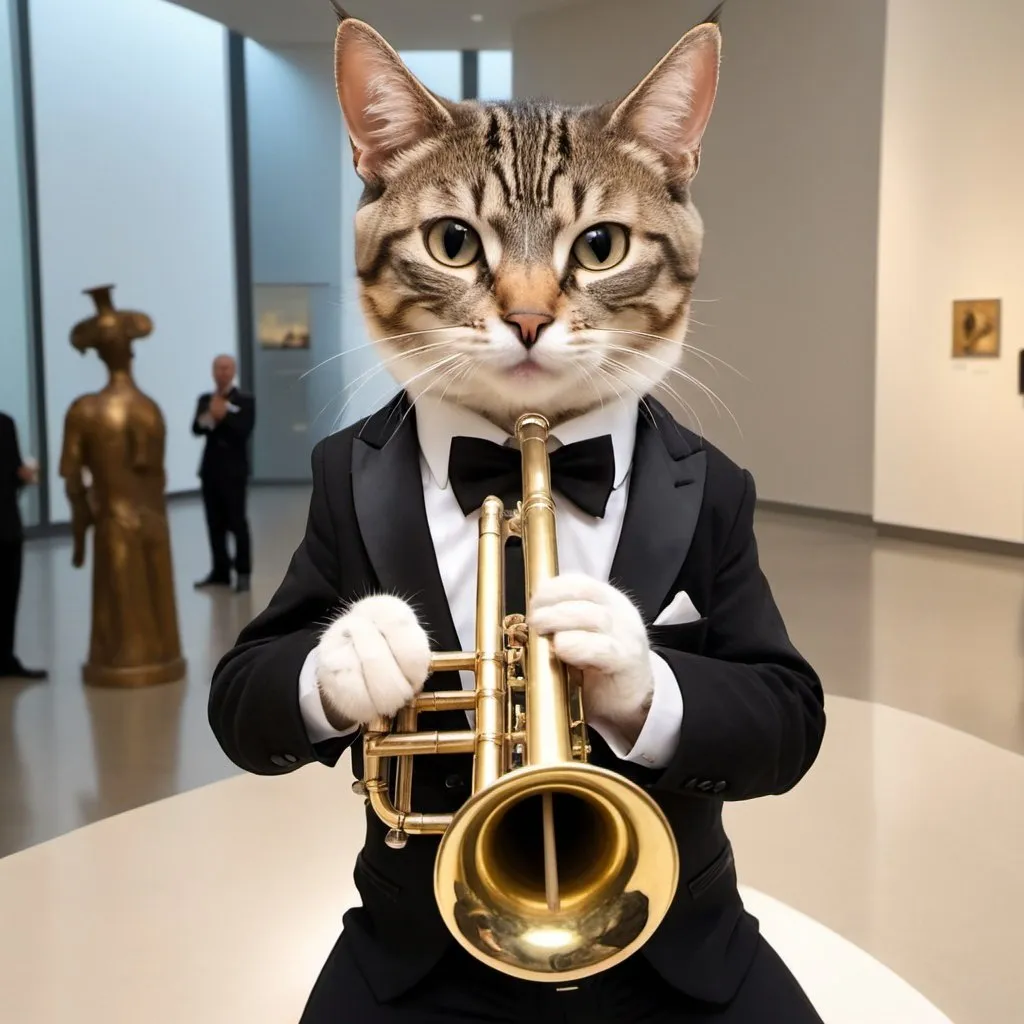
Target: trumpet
554, 869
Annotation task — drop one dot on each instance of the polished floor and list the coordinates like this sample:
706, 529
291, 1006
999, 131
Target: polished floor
907, 839
221, 904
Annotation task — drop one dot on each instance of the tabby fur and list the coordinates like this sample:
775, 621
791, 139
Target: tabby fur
528, 178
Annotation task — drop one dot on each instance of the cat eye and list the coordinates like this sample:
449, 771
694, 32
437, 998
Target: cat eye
602, 247
453, 243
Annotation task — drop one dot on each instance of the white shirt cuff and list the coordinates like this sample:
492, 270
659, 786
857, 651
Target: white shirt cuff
313, 715
659, 738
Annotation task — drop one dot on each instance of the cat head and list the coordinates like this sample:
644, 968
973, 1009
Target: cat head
525, 256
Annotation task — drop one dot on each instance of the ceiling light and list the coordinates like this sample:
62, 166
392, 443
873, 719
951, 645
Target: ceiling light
476, 17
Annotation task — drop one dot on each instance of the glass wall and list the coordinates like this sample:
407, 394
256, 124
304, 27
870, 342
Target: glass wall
494, 75
17, 394
438, 70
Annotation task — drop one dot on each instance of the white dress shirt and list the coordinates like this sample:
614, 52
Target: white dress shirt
585, 545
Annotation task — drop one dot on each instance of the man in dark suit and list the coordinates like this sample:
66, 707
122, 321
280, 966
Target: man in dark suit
14, 474
735, 711
226, 418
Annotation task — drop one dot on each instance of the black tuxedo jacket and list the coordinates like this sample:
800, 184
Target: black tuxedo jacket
226, 455
10, 482
753, 715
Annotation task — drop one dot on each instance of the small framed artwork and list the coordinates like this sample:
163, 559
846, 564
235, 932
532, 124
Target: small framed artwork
976, 328
282, 316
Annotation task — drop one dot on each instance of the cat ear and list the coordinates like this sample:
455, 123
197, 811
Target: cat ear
386, 109
670, 109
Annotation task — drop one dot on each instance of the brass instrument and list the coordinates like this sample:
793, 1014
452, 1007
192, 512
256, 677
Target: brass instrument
554, 869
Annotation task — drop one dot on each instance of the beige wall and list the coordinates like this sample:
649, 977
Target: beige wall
789, 193
951, 432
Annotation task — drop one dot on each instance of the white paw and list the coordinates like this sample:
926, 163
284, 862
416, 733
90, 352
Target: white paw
598, 629
372, 660
592, 624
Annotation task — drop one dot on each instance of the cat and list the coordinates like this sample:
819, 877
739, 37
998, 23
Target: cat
519, 257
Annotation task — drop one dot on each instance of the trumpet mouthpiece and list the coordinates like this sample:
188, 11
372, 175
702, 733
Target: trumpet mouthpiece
532, 424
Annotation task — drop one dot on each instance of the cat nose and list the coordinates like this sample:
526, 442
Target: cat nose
529, 325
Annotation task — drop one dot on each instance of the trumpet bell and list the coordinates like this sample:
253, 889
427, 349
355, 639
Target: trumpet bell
556, 872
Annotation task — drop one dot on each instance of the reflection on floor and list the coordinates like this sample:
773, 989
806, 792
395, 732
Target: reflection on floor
71, 755
925, 630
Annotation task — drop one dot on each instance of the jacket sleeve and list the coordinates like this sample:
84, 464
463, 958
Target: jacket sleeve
201, 406
240, 423
753, 708
10, 453
254, 699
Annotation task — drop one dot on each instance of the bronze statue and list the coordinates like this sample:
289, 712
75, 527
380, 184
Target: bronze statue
113, 468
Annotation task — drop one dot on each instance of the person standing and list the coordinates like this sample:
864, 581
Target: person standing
226, 417
14, 474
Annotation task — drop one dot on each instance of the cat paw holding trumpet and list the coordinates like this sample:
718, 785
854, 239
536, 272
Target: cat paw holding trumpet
528, 600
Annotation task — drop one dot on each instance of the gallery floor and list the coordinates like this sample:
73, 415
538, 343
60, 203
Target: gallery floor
906, 838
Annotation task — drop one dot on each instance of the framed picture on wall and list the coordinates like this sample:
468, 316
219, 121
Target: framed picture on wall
282, 316
976, 328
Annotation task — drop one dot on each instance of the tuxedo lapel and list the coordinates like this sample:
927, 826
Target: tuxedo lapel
387, 488
666, 490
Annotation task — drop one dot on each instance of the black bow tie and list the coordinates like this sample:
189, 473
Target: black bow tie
584, 472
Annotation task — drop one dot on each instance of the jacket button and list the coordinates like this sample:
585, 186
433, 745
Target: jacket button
720, 787
454, 782
690, 784
283, 760
706, 786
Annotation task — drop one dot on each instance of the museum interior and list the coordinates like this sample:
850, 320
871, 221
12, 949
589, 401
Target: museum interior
177, 186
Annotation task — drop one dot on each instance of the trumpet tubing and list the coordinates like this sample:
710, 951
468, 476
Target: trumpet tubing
554, 869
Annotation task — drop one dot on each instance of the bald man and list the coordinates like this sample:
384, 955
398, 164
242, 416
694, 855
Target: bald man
225, 417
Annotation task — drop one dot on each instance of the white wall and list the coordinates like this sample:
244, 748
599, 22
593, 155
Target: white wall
133, 154
789, 193
950, 453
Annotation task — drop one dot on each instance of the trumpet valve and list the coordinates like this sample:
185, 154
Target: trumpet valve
516, 635
396, 839
359, 788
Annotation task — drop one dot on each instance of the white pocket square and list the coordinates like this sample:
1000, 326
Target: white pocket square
680, 611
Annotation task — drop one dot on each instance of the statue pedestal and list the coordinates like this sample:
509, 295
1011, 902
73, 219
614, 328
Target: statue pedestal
134, 678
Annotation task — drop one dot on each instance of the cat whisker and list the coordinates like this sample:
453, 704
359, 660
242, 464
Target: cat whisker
368, 375
716, 400
359, 383
446, 361
374, 344
450, 371
687, 347
622, 368
588, 376
460, 372
365, 379
430, 369
672, 393
637, 393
